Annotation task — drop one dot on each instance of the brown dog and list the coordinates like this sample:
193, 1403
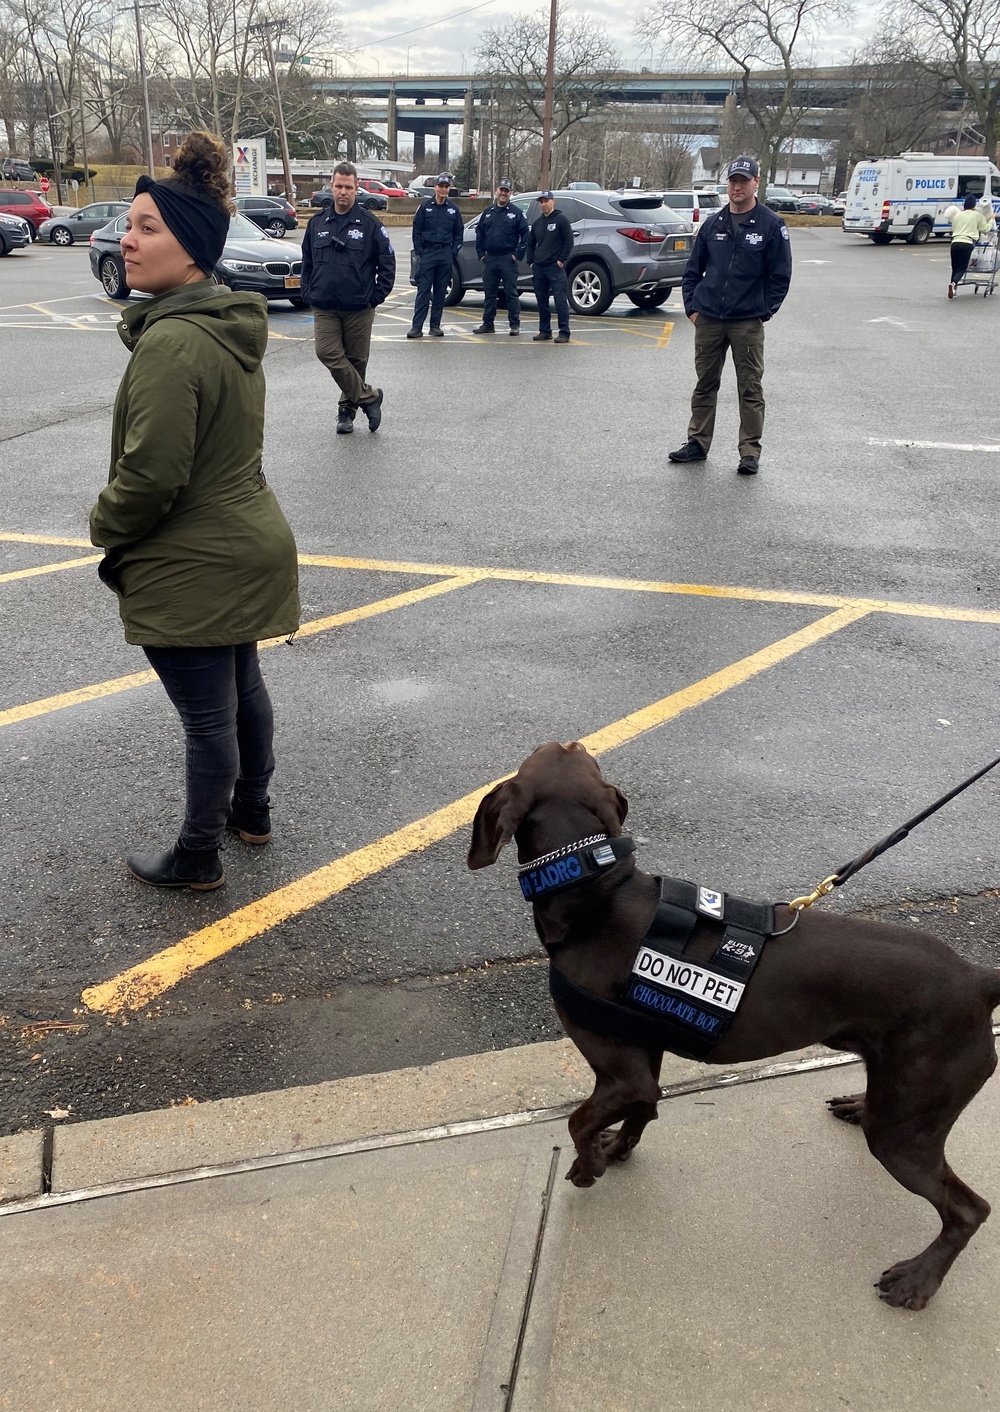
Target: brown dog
919, 1016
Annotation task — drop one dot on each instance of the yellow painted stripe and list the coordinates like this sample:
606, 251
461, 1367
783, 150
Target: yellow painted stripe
83, 694
44, 539
138, 986
668, 329
705, 590
50, 568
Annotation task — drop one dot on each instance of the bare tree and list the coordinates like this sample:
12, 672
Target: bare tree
513, 56
957, 41
899, 106
767, 43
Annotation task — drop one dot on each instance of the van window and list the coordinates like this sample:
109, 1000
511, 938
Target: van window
709, 199
973, 185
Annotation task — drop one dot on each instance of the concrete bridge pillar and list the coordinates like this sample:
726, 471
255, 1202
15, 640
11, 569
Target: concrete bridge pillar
418, 150
391, 134
468, 122
443, 150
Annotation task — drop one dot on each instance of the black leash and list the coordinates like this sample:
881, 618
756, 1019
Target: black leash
847, 870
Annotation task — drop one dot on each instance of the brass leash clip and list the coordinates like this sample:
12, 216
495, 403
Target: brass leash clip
799, 904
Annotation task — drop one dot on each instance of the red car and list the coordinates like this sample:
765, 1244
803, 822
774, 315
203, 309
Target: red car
381, 188
26, 204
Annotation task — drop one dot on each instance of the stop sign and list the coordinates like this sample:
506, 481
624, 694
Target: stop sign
44, 183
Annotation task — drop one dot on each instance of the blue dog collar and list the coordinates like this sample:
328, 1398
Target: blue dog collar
575, 863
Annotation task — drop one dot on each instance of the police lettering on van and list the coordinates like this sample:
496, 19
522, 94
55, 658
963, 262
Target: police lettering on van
907, 196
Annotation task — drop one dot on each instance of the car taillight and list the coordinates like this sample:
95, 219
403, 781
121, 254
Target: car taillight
696, 214
885, 210
640, 235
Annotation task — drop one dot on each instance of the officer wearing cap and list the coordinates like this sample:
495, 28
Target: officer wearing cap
550, 244
501, 239
737, 275
437, 239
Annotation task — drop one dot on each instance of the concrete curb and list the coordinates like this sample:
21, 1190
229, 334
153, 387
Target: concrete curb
476, 1087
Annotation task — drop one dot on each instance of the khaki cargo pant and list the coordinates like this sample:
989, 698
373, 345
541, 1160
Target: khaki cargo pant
712, 337
343, 344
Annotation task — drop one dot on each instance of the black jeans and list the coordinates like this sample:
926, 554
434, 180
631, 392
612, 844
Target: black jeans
228, 722
497, 270
546, 278
961, 254
433, 275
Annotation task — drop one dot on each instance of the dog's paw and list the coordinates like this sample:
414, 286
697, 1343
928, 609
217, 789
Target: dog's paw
617, 1148
907, 1285
849, 1109
578, 1177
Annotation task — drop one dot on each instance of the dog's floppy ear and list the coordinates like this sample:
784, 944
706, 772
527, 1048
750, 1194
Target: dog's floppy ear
497, 817
612, 808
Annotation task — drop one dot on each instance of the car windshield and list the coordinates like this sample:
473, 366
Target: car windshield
241, 228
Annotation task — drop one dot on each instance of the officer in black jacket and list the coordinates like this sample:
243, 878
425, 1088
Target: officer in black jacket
437, 238
737, 275
501, 240
550, 242
348, 270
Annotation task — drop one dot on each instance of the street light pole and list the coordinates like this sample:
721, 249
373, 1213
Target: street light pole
147, 131
264, 29
550, 66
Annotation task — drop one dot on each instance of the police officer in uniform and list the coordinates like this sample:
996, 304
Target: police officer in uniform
550, 243
737, 275
437, 239
501, 239
348, 269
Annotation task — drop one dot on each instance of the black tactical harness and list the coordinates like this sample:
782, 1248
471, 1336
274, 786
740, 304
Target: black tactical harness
669, 1001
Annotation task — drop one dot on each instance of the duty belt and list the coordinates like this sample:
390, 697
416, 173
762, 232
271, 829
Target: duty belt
669, 1001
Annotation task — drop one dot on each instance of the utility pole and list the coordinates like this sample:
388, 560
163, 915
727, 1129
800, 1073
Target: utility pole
264, 29
550, 66
147, 131
53, 140
87, 178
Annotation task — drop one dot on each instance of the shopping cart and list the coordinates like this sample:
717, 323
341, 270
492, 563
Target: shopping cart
982, 271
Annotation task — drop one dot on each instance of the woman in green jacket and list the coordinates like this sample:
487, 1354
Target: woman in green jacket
967, 226
197, 549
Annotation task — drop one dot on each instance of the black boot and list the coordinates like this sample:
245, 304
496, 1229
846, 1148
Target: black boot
251, 821
178, 867
345, 421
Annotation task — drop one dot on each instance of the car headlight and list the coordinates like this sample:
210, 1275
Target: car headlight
243, 267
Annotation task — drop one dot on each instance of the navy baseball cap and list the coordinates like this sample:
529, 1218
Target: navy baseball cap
744, 167
504, 185
546, 196
443, 180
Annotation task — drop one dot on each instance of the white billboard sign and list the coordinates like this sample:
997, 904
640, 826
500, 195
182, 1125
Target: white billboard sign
250, 168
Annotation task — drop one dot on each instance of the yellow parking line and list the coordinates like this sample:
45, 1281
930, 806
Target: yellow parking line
46, 705
50, 568
12, 538
664, 338
704, 590
139, 985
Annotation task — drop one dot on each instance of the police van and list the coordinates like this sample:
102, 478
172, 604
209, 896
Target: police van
908, 195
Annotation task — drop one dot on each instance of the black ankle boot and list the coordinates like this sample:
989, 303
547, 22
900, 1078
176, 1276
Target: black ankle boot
251, 821
178, 867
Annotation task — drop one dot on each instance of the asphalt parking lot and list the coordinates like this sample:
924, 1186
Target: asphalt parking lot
776, 671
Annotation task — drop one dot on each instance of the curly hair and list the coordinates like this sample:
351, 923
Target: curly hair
203, 163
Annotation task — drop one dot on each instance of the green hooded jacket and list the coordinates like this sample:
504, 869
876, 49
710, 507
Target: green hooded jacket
198, 550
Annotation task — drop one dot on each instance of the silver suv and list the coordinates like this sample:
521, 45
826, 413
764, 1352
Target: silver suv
627, 243
692, 205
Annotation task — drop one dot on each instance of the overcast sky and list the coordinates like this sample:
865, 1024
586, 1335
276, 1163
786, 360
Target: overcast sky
434, 36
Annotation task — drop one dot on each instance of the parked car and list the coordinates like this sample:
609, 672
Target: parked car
29, 205
780, 198
370, 200
64, 230
388, 189
585, 186
692, 205
15, 234
818, 206
16, 169
623, 243
422, 186
250, 260
272, 214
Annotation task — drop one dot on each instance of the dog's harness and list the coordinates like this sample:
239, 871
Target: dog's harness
668, 1002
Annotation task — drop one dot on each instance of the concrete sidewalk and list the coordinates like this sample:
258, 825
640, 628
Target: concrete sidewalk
406, 1241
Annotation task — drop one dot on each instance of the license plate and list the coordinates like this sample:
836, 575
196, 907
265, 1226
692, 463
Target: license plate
293, 281
680, 245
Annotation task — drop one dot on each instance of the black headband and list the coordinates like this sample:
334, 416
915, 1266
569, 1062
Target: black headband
200, 224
